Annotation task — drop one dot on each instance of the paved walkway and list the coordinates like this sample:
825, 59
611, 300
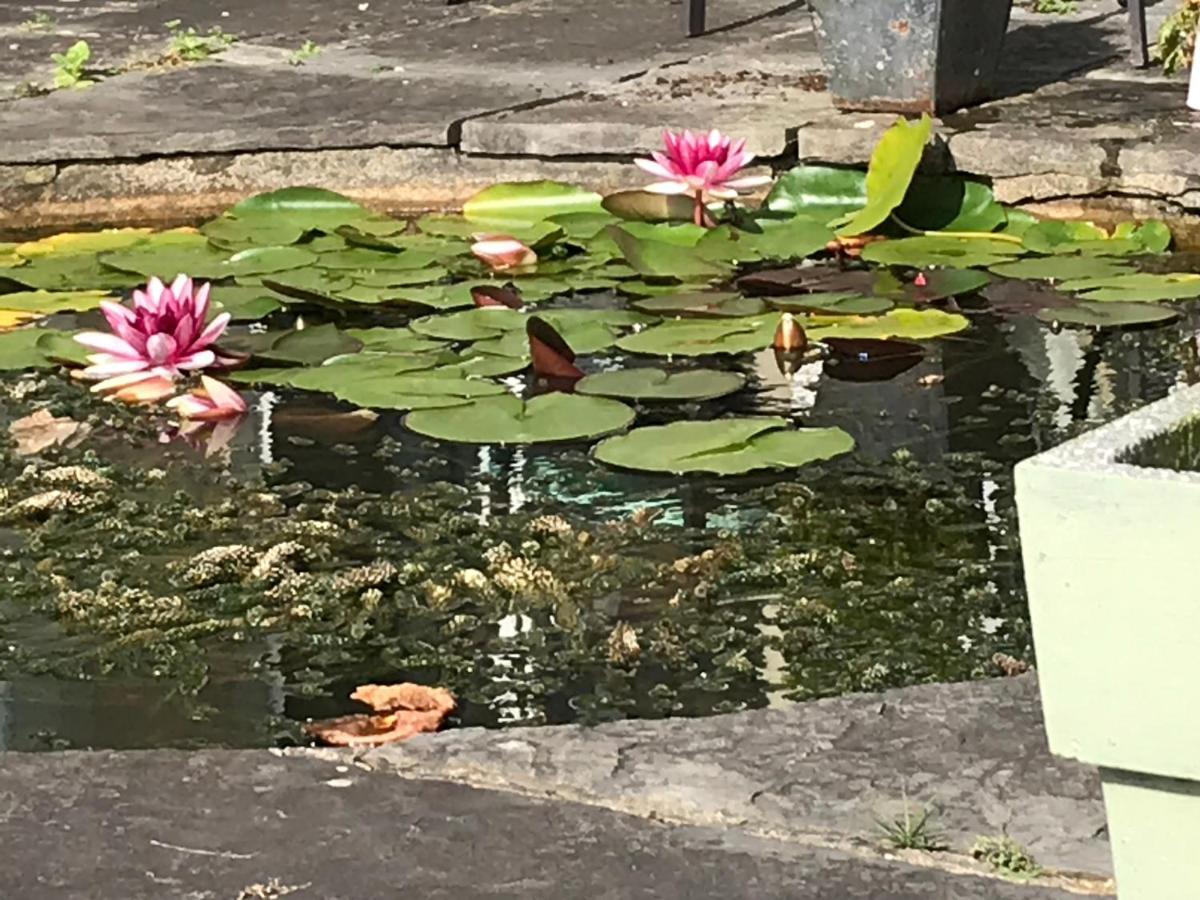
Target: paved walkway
416, 104
770, 804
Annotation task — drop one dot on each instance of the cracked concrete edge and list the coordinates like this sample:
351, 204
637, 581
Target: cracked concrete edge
820, 774
1061, 178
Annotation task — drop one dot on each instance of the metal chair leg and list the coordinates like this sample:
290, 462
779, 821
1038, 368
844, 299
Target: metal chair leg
1139, 47
694, 15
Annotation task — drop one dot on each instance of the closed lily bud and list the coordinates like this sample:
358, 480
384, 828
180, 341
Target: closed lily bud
501, 252
790, 336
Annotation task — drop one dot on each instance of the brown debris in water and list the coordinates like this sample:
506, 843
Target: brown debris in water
401, 711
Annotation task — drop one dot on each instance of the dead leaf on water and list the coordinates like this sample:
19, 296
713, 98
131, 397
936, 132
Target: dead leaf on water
11, 318
401, 711
40, 431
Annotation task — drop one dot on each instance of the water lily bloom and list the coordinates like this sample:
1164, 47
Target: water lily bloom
704, 166
163, 335
212, 401
501, 252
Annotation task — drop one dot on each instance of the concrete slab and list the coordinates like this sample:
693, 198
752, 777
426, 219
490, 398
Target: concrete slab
251, 825
822, 772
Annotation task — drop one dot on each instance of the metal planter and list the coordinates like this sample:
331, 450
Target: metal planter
911, 56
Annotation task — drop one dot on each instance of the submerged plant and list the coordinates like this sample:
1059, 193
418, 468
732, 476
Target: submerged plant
703, 166
162, 336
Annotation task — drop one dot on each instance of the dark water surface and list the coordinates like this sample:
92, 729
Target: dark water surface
897, 564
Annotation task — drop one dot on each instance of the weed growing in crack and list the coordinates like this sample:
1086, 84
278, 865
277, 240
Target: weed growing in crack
307, 51
1006, 856
913, 832
69, 67
187, 45
41, 22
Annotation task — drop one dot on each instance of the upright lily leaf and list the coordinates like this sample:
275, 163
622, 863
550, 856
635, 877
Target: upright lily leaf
529, 201
723, 447
822, 193
893, 164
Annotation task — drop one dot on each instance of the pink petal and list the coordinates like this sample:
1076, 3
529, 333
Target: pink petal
108, 367
201, 359
750, 181
222, 395
654, 168
107, 343
161, 348
200, 302
215, 329
189, 406
668, 187
118, 382
154, 292
181, 287
146, 391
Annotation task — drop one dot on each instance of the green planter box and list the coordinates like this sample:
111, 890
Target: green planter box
1110, 526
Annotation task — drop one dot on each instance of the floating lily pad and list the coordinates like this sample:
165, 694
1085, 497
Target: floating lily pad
53, 301
359, 259
1061, 268
644, 206
257, 231
247, 303
416, 390
61, 347
267, 260
1141, 287
1109, 315
841, 303
19, 350
1022, 298
794, 238
656, 384
68, 272
311, 284
702, 304
930, 251
310, 345
310, 208
507, 420
529, 201
699, 338
581, 226
70, 242
658, 259
392, 340
190, 254
534, 234
394, 278
911, 324
723, 447
939, 284
822, 193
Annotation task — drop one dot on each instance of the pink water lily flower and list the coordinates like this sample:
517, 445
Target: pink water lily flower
704, 166
162, 336
501, 252
210, 402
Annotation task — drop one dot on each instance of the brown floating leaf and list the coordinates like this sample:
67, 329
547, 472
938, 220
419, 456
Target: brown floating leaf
373, 731
870, 359
385, 698
486, 295
807, 280
552, 356
40, 431
401, 711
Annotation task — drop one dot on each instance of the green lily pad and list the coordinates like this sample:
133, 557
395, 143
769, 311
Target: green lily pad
53, 301
61, 347
421, 389
1085, 238
394, 278
658, 259
534, 234
657, 384
1108, 315
702, 337
166, 256
267, 260
68, 272
909, 324
247, 303
257, 231
19, 350
309, 208
702, 304
311, 284
822, 193
469, 324
893, 164
392, 340
441, 297
788, 239
359, 259
529, 201
309, 346
950, 203
939, 284
841, 303
932, 251
1141, 287
723, 447
1061, 268
582, 226
507, 420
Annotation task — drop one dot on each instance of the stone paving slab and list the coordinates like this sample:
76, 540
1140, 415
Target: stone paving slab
822, 772
242, 825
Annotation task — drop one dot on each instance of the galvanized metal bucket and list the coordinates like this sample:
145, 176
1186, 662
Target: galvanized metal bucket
914, 56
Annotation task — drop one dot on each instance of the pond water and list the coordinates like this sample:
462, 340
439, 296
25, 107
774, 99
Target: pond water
222, 586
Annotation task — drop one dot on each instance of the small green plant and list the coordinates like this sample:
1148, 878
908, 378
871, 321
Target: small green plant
909, 832
40, 22
307, 51
1177, 37
188, 45
69, 66
1054, 7
1006, 856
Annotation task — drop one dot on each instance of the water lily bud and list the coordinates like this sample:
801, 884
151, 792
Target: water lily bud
501, 252
921, 280
790, 336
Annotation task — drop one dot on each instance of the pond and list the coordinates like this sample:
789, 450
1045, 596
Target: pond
372, 516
